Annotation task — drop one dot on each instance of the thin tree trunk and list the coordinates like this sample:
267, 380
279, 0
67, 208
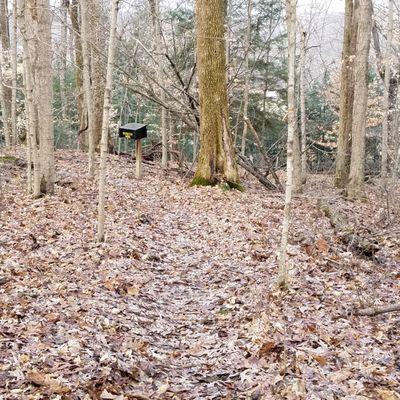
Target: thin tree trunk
156, 22
14, 67
5, 93
86, 84
3, 103
291, 28
98, 65
106, 121
82, 139
386, 105
63, 56
246, 77
355, 187
216, 158
303, 108
346, 94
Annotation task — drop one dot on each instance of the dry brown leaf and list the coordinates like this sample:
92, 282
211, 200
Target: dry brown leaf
322, 245
40, 379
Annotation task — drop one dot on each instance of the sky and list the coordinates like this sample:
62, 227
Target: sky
332, 5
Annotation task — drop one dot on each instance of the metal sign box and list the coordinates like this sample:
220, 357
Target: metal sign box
133, 131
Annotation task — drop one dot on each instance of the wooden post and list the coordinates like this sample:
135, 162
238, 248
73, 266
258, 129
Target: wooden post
139, 158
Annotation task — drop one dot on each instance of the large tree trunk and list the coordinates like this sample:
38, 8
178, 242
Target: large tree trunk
106, 121
291, 28
29, 33
82, 137
346, 94
6, 81
386, 99
40, 18
217, 161
355, 187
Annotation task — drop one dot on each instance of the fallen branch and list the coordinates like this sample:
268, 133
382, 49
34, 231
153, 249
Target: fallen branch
251, 170
264, 155
372, 311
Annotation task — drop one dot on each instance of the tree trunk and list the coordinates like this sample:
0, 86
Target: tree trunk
217, 161
5, 82
346, 94
98, 65
386, 105
303, 109
33, 176
35, 24
355, 187
156, 22
82, 137
86, 83
291, 29
246, 77
63, 56
106, 121
14, 67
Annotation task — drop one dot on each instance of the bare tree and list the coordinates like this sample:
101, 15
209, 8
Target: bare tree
355, 187
386, 104
291, 29
346, 94
5, 81
14, 65
303, 107
246, 77
86, 83
106, 121
156, 22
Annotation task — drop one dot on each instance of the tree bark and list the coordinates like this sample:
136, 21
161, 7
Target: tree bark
85, 27
291, 29
5, 82
156, 22
98, 65
63, 58
14, 67
106, 121
246, 77
82, 137
355, 187
303, 108
217, 161
386, 100
346, 94
33, 176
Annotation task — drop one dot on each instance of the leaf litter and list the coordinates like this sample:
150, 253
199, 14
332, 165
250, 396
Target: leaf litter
180, 301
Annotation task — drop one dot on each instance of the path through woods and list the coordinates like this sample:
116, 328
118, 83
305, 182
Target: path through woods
179, 302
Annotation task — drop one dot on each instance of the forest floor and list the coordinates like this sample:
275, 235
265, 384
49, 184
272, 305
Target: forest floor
180, 301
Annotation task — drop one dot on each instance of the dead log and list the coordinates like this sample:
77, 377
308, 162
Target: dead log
377, 310
354, 241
